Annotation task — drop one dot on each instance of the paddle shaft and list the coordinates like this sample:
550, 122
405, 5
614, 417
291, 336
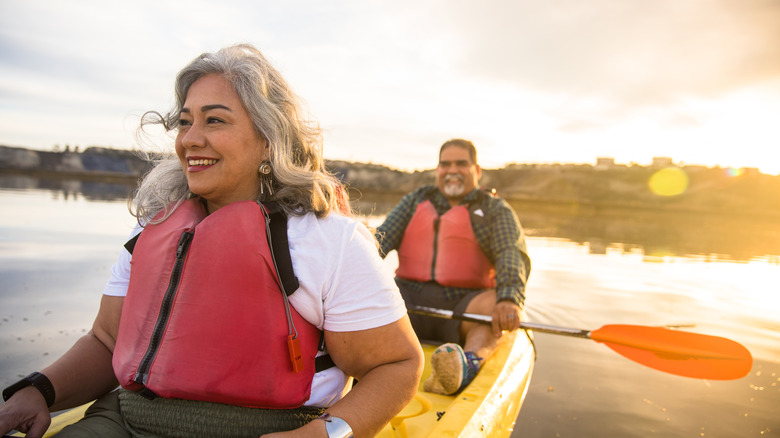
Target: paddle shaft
485, 319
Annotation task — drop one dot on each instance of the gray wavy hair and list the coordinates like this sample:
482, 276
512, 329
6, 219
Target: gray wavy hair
300, 181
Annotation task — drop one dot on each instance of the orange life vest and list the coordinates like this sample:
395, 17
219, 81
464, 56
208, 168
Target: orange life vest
205, 317
444, 249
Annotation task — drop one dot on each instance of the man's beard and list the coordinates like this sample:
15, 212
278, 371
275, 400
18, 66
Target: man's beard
453, 190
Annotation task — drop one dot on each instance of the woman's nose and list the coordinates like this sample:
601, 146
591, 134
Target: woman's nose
192, 136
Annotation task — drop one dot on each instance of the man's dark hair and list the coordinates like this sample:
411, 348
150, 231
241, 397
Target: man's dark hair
463, 144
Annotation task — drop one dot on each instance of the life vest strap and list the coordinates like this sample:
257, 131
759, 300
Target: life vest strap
322, 363
277, 222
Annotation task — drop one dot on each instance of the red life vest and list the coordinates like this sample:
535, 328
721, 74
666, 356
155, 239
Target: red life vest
205, 318
444, 249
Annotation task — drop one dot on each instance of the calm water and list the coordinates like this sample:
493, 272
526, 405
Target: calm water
716, 276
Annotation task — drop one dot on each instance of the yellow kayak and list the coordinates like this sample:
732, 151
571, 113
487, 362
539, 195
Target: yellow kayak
487, 407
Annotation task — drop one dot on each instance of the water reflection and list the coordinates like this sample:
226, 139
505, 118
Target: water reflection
655, 234
70, 189
706, 236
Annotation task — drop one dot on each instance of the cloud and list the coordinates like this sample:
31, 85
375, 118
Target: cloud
633, 53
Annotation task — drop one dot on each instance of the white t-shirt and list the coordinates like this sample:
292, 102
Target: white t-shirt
344, 285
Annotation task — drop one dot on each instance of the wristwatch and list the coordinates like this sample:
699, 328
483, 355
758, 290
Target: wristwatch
36, 379
336, 427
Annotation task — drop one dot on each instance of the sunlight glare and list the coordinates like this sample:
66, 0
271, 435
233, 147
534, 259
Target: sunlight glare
670, 181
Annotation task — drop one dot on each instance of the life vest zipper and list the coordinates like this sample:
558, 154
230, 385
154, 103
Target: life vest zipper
142, 375
435, 246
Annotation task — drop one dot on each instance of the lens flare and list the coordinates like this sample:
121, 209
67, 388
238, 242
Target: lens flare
670, 181
734, 172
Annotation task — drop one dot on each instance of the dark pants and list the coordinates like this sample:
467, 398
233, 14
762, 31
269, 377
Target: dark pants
101, 420
431, 329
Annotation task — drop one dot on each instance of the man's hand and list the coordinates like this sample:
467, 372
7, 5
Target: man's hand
506, 316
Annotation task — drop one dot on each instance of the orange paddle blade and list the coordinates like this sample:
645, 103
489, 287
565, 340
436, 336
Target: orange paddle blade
677, 352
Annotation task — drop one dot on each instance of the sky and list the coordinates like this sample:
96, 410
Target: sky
529, 81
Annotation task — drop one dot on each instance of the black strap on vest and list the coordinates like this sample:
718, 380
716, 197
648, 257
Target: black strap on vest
130, 244
322, 363
278, 224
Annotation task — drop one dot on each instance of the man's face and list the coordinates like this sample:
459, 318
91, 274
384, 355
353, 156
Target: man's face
456, 174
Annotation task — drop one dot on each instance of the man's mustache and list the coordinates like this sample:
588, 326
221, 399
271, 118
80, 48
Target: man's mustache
449, 178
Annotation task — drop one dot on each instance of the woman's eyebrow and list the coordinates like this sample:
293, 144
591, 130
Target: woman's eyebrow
205, 108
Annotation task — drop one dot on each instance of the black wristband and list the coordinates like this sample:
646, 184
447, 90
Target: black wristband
36, 379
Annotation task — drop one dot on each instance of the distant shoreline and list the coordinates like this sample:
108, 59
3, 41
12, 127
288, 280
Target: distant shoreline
95, 176
562, 187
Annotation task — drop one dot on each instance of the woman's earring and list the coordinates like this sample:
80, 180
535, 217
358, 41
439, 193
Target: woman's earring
266, 180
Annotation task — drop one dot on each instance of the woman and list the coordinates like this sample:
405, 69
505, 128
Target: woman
241, 139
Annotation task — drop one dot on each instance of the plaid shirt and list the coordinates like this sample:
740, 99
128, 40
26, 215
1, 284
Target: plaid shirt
500, 236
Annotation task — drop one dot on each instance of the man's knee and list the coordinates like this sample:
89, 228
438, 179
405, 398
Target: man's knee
483, 303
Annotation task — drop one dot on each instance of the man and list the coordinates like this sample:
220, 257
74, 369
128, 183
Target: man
459, 248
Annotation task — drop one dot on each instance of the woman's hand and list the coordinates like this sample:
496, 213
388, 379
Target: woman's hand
25, 411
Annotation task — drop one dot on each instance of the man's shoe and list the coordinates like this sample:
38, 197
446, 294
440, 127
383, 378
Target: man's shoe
448, 370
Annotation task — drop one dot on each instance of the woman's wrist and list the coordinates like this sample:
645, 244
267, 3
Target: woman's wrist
335, 426
37, 380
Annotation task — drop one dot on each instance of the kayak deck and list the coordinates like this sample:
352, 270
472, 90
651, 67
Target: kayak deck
487, 407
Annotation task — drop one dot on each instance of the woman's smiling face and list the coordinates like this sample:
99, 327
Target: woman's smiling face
217, 144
